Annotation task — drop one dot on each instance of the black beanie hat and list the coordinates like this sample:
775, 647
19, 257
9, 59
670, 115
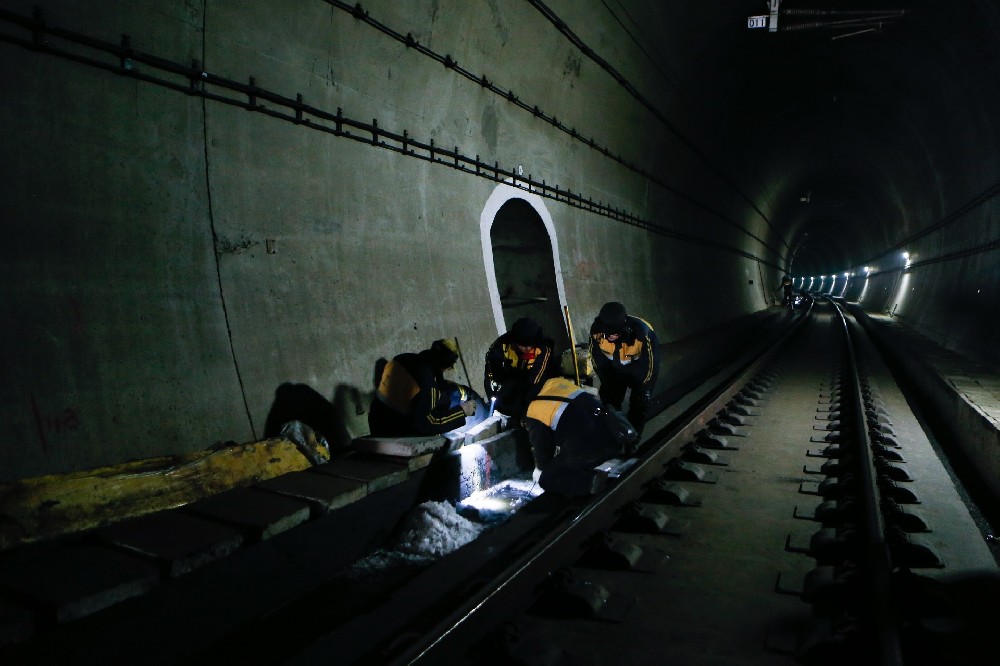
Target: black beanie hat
445, 351
612, 317
525, 331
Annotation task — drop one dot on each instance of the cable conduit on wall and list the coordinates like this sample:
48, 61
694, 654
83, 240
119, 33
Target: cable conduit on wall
194, 80
361, 14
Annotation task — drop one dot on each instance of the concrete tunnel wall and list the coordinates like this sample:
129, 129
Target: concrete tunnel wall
173, 260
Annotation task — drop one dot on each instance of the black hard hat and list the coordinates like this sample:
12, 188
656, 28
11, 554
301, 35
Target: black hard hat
525, 331
612, 317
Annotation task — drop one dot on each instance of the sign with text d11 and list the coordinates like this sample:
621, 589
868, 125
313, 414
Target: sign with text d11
756, 22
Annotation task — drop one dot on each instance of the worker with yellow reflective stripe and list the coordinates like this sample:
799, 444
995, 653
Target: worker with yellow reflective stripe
626, 355
568, 436
413, 398
517, 360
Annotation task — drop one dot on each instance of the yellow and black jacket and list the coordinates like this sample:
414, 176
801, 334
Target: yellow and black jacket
634, 354
568, 436
412, 399
509, 374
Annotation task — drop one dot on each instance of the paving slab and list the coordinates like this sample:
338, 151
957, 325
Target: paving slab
17, 623
406, 447
179, 542
71, 582
324, 493
378, 473
257, 513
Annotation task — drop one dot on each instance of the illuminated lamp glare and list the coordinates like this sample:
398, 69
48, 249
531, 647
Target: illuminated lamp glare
864, 289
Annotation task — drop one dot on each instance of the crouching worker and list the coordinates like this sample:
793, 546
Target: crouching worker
414, 399
568, 437
519, 360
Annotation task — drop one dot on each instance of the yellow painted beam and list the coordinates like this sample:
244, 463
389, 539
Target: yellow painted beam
49, 506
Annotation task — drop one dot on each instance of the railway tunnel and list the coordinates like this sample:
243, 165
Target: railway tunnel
209, 203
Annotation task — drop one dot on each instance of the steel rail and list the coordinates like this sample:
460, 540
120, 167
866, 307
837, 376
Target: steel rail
876, 550
507, 592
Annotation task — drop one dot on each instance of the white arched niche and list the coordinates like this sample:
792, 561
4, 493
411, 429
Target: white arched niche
500, 196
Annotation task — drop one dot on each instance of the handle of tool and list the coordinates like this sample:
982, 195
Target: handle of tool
572, 343
462, 359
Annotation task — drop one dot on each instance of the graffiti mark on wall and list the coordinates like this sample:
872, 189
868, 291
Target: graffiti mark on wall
54, 423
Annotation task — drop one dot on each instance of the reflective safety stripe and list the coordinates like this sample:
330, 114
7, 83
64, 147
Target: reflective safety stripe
629, 352
550, 411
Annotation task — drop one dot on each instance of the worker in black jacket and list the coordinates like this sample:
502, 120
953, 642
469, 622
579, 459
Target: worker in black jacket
626, 355
568, 436
517, 360
413, 398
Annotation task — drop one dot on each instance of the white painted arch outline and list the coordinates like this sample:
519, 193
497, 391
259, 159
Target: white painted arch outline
501, 195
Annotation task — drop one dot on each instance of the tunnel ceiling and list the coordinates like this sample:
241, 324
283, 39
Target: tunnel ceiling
843, 135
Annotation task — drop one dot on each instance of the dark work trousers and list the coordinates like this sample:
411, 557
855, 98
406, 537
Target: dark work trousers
612, 391
583, 442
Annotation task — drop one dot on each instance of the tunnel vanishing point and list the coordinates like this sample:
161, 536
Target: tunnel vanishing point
203, 202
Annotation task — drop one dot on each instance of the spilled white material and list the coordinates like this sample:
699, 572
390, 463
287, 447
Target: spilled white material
434, 529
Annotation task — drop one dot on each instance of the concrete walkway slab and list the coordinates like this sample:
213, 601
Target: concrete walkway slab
377, 473
259, 514
323, 492
72, 582
178, 542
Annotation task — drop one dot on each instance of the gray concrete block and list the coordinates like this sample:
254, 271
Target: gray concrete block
378, 473
71, 582
179, 542
16, 623
258, 513
406, 447
323, 492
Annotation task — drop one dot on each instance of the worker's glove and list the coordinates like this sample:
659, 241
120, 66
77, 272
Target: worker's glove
469, 407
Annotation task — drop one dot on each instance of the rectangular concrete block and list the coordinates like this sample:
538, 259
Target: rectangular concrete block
70, 582
17, 623
378, 472
179, 542
257, 513
323, 492
406, 447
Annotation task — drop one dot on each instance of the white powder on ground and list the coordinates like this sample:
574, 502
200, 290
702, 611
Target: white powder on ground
433, 529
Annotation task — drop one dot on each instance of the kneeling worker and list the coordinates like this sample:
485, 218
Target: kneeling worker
519, 360
568, 437
413, 398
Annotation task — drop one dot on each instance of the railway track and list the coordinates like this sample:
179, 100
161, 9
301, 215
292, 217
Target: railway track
794, 512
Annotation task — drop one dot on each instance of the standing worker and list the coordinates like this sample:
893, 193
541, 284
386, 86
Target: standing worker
786, 289
518, 360
626, 355
413, 398
568, 436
